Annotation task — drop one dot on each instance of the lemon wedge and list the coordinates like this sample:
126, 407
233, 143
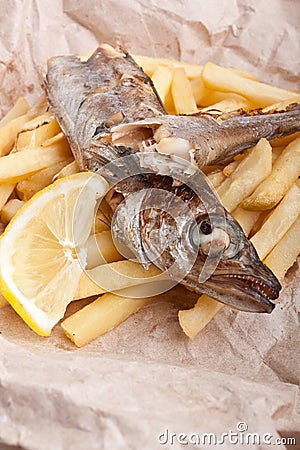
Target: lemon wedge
43, 252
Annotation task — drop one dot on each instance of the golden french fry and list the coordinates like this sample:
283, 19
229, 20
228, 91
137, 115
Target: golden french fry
169, 103
213, 97
68, 170
5, 192
276, 152
285, 172
21, 165
53, 140
100, 316
223, 79
182, 93
35, 121
285, 253
101, 250
246, 219
282, 105
149, 65
20, 108
230, 168
243, 74
9, 132
227, 105
38, 181
10, 209
193, 320
200, 91
3, 301
285, 140
37, 136
162, 79
216, 178
278, 222
115, 276
246, 176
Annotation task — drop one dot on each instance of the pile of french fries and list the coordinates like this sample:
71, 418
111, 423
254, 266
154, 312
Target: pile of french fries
260, 188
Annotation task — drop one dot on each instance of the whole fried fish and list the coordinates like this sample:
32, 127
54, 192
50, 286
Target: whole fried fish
169, 215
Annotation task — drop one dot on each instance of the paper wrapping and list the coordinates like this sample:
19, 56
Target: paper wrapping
145, 377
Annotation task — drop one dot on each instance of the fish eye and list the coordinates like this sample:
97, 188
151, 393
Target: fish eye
211, 239
206, 227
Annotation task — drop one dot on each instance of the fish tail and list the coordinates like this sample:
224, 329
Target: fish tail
243, 131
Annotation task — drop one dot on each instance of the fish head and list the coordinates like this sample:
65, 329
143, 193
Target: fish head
228, 267
173, 218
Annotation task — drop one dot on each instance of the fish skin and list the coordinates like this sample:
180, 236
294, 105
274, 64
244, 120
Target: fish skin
84, 96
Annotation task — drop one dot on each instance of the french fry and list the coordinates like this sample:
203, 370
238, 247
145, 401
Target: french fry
227, 105
101, 250
20, 165
246, 219
212, 97
68, 170
3, 301
35, 121
36, 137
216, 178
223, 79
193, 320
169, 103
20, 108
284, 254
282, 105
150, 64
115, 276
162, 79
100, 316
285, 172
10, 209
247, 175
5, 192
260, 220
182, 93
285, 140
276, 152
243, 74
38, 181
278, 222
230, 168
9, 132
200, 92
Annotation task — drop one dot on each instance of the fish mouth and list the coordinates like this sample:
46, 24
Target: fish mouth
247, 292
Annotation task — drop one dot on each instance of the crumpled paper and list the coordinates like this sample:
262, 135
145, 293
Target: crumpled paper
133, 386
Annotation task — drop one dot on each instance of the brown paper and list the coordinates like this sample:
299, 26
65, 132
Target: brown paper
146, 377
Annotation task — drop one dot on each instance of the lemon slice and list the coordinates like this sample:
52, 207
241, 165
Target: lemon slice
43, 253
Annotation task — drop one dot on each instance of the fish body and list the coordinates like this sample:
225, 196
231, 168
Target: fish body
168, 213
